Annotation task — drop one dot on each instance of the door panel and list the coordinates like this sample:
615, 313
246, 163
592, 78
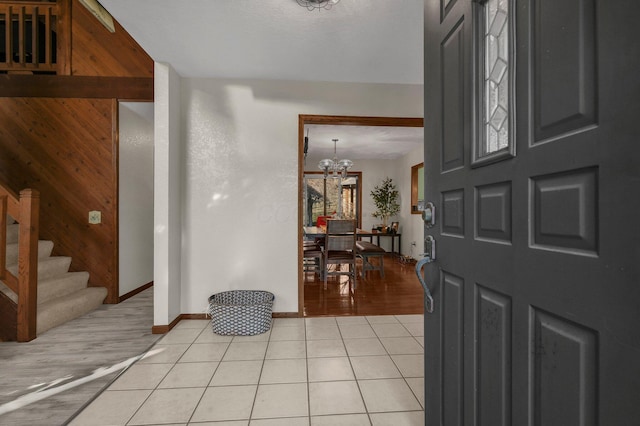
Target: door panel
493, 212
452, 342
453, 98
446, 6
565, 211
453, 212
493, 357
565, 66
536, 318
565, 370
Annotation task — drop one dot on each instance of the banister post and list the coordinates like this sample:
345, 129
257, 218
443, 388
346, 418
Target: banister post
63, 26
28, 264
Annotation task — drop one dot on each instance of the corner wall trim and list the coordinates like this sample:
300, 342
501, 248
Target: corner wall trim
162, 329
285, 315
194, 317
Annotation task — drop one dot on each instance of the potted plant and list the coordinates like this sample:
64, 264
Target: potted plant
385, 197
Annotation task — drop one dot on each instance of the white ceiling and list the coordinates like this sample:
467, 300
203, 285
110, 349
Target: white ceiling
363, 142
357, 41
370, 41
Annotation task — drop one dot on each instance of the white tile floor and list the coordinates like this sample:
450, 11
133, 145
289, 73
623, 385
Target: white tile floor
313, 371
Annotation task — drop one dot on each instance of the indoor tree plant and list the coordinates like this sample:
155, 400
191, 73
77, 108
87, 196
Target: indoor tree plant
385, 198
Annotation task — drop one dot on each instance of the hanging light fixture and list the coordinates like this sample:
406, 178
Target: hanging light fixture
317, 4
333, 165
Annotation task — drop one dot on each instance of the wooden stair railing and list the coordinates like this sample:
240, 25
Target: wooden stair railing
25, 209
32, 39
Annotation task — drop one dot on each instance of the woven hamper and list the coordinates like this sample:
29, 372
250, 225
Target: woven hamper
241, 312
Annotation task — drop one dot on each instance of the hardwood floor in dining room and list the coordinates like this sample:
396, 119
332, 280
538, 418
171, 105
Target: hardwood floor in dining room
398, 293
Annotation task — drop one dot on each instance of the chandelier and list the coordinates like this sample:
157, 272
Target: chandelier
333, 165
317, 4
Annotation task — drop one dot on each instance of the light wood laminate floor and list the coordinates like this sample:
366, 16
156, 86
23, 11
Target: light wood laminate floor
102, 338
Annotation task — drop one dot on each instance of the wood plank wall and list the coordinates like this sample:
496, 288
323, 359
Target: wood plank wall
67, 146
97, 52
66, 149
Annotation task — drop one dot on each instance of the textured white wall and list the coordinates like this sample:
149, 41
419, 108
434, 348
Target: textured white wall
411, 225
135, 198
167, 195
240, 177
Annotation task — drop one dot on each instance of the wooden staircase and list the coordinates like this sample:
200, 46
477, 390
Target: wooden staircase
62, 295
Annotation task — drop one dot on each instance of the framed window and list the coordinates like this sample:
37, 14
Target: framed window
329, 197
495, 60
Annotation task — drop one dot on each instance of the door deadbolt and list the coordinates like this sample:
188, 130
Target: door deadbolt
429, 215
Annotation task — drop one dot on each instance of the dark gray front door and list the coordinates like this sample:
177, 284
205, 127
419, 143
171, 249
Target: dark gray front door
536, 182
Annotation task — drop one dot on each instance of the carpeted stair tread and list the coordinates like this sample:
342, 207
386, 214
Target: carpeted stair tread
44, 250
48, 267
52, 288
68, 307
61, 285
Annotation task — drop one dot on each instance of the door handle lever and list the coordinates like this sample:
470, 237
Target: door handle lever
428, 298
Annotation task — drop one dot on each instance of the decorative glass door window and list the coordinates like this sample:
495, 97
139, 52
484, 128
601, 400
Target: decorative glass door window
495, 82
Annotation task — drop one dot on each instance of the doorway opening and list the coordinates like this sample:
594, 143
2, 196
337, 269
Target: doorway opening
351, 193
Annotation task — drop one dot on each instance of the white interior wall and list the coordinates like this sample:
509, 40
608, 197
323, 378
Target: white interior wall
241, 177
411, 225
135, 198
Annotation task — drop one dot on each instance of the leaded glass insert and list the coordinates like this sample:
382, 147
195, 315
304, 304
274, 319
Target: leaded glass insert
495, 77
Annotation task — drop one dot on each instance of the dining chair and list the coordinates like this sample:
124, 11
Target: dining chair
340, 249
312, 260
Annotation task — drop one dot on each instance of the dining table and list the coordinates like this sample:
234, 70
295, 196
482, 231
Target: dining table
319, 232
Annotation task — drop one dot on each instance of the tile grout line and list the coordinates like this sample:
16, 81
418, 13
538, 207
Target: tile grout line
195, 408
255, 396
355, 378
176, 362
403, 376
152, 390
306, 363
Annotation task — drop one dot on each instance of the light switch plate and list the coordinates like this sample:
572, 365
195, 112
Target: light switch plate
95, 217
